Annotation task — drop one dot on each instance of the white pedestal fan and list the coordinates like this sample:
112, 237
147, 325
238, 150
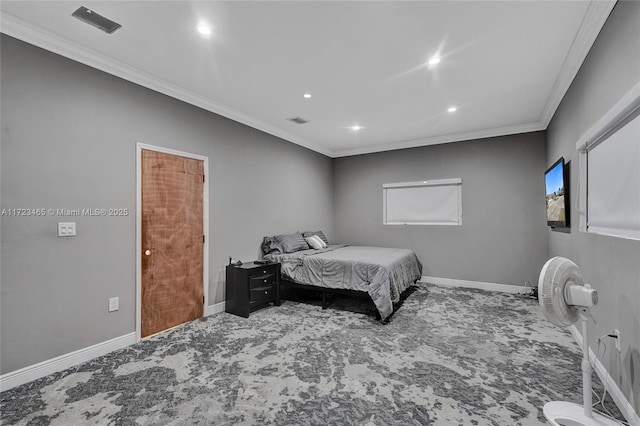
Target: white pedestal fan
565, 299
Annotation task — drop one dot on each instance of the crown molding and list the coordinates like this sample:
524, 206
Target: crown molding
438, 140
592, 23
22, 30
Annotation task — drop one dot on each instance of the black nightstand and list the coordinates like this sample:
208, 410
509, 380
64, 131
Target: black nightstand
251, 286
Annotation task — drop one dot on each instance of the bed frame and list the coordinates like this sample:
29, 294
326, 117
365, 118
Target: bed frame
287, 284
326, 293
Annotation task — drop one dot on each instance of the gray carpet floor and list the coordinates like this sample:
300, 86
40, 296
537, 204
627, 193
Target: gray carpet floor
446, 357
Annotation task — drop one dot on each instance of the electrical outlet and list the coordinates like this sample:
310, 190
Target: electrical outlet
113, 304
617, 333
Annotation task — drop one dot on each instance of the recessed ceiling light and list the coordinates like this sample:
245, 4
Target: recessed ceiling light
307, 95
204, 29
452, 109
355, 128
435, 60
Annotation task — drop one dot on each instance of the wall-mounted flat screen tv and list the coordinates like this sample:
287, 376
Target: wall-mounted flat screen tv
557, 188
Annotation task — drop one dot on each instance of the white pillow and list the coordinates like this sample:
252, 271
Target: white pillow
314, 243
320, 240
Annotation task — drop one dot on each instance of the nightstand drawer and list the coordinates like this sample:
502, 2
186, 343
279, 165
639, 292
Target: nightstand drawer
262, 294
262, 280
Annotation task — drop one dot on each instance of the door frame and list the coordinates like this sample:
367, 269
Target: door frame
205, 219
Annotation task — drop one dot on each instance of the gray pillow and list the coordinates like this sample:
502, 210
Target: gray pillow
286, 243
292, 242
318, 233
271, 245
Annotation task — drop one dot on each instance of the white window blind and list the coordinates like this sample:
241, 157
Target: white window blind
435, 202
613, 179
608, 195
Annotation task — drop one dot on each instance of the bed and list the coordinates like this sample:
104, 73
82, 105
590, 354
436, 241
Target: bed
381, 273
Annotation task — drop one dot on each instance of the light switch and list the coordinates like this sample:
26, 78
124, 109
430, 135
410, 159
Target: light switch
66, 229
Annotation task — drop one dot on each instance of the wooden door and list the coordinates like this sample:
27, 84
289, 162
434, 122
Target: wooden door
172, 241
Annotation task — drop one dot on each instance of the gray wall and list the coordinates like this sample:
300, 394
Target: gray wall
502, 238
610, 264
69, 135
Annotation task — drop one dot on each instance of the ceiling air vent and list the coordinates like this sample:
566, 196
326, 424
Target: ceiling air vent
298, 120
92, 18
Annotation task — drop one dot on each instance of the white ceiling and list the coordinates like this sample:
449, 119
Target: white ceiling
504, 65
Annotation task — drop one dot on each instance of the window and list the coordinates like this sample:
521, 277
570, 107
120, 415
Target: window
609, 176
434, 202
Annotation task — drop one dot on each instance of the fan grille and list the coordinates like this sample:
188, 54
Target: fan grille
555, 276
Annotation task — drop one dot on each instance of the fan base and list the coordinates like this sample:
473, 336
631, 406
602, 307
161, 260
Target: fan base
569, 414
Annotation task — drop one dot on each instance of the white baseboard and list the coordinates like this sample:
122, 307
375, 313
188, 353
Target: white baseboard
62, 362
618, 397
450, 282
214, 309
33, 372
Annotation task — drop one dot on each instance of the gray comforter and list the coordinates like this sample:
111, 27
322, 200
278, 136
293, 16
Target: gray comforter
384, 273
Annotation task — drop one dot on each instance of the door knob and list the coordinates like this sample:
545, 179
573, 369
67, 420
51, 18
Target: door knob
147, 252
